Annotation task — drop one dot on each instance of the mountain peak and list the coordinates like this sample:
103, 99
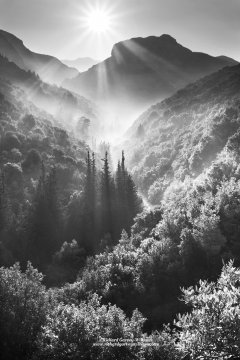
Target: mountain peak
148, 40
168, 38
143, 70
158, 45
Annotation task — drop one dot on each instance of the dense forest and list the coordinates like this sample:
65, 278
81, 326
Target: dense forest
91, 269
183, 134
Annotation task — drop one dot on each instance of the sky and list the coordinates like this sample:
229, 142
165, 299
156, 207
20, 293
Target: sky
58, 27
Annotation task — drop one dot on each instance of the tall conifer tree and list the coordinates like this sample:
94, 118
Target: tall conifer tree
107, 198
44, 223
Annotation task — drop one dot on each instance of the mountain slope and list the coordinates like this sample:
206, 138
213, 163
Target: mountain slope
65, 106
82, 64
143, 70
29, 136
49, 68
183, 134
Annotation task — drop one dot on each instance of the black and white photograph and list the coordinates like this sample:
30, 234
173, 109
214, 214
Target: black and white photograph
120, 179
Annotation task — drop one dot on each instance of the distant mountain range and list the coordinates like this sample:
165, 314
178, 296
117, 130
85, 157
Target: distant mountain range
81, 64
49, 68
182, 135
141, 71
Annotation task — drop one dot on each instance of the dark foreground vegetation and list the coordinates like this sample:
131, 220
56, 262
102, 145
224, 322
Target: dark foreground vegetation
37, 323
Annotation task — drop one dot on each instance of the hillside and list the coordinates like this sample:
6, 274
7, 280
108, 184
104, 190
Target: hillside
29, 136
183, 134
65, 106
141, 71
49, 68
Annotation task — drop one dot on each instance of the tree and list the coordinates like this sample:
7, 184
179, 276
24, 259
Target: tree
88, 216
24, 304
2, 202
140, 131
128, 202
107, 193
80, 332
212, 329
134, 202
43, 226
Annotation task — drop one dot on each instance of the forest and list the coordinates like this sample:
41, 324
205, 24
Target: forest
84, 261
134, 258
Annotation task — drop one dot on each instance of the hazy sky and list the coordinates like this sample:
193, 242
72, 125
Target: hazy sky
57, 27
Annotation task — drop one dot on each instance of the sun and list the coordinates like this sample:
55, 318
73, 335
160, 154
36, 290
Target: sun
98, 21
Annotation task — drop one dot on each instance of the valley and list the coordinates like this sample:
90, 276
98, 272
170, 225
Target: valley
119, 203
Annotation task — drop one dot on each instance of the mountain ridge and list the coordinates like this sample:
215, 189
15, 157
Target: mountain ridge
62, 104
48, 67
141, 71
182, 135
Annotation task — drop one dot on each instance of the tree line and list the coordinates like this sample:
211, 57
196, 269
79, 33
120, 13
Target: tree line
109, 204
105, 206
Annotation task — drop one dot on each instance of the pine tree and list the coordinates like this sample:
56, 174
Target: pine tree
134, 202
3, 203
44, 222
128, 202
121, 195
107, 199
87, 229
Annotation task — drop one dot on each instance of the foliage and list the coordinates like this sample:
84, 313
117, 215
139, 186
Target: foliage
211, 330
24, 306
185, 133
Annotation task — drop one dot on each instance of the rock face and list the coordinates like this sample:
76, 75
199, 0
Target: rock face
49, 68
143, 70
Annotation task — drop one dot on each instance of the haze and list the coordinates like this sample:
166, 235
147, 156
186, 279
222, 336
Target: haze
55, 26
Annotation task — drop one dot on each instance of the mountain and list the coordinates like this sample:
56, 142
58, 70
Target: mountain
141, 71
63, 105
49, 68
82, 64
181, 136
227, 58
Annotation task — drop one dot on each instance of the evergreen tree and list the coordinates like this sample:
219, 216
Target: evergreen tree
128, 202
107, 199
44, 222
134, 202
2, 202
88, 217
121, 194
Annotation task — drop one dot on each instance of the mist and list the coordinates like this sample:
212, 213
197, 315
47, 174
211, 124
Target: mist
119, 180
